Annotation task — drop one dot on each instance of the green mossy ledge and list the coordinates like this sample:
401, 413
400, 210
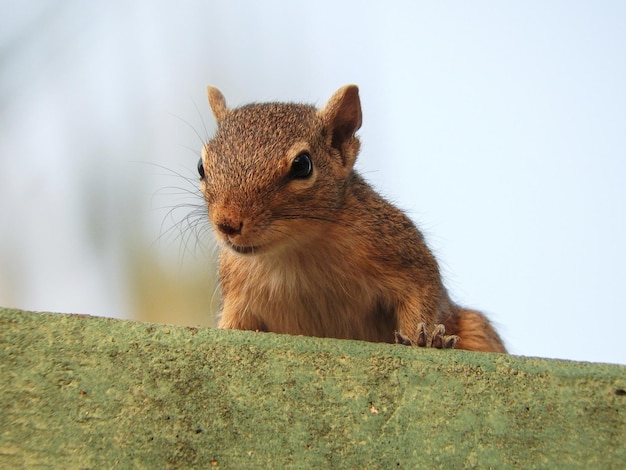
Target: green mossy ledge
88, 392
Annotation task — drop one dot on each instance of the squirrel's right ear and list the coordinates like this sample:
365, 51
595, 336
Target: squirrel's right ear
217, 103
342, 118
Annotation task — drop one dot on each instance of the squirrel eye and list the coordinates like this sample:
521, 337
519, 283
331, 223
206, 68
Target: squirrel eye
302, 166
200, 169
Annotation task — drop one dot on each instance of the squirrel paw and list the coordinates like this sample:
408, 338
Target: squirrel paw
437, 339
440, 340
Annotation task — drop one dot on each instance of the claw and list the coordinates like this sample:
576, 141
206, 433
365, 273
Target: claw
450, 341
401, 339
422, 336
437, 336
440, 340
437, 339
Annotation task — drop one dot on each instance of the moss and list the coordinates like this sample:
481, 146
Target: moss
87, 392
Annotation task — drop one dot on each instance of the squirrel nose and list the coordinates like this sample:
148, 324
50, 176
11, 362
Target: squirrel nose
229, 228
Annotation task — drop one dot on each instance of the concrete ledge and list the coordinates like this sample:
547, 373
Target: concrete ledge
87, 392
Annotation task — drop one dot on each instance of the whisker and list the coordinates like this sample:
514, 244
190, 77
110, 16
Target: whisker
206, 131
188, 124
190, 230
170, 172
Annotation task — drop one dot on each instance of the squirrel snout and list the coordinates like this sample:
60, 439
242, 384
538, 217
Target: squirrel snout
229, 228
227, 220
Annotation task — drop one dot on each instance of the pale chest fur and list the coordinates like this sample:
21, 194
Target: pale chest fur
326, 293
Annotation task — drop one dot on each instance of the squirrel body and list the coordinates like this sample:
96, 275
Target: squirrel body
308, 247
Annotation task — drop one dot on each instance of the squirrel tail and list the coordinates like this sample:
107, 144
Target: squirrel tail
475, 332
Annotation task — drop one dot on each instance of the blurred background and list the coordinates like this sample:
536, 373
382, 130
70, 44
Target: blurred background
499, 127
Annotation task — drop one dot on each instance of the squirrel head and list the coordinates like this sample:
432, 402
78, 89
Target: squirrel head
275, 173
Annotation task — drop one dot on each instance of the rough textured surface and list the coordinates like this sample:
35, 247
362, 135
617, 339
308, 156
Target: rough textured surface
86, 392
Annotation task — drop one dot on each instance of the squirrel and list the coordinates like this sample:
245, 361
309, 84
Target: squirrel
308, 247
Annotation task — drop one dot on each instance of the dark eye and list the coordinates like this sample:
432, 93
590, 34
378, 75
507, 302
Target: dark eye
301, 167
200, 169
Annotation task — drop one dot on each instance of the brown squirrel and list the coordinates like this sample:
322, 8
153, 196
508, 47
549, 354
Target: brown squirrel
308, 247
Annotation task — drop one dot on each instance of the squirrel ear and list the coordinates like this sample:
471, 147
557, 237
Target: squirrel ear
342, 117
217, 103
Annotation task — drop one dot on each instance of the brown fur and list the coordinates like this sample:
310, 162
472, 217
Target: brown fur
325, 255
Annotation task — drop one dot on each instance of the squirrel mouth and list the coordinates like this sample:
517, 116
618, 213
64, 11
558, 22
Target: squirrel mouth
243, 250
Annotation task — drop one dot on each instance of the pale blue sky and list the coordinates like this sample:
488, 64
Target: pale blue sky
500, 128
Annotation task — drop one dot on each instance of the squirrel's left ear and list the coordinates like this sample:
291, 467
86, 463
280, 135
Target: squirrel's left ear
342, 118
217, 103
